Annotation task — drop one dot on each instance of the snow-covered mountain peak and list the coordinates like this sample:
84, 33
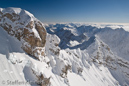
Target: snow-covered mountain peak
25, 27
16, 11
23, 14
11, 10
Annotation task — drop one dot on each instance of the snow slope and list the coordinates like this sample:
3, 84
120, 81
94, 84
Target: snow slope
13, 60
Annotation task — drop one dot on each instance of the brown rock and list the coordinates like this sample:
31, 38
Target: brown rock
42, 81
24, 32
13, 17
42, 32
56, 52
30, 25
65, 70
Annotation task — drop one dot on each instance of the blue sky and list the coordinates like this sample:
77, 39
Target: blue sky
108, 11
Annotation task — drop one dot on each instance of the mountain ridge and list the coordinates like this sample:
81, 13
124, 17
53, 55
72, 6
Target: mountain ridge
23, 25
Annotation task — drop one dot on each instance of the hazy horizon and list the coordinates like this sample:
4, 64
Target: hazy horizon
99, 11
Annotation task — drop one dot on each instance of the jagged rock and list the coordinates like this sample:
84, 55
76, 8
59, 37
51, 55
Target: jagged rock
26, 28
65, 71
42, 81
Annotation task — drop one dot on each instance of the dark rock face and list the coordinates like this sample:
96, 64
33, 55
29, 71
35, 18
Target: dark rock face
24, 30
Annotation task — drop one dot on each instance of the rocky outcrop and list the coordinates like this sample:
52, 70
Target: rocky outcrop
65, 71
42, 81
26, 28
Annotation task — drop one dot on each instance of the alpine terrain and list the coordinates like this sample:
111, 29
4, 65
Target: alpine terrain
63, 54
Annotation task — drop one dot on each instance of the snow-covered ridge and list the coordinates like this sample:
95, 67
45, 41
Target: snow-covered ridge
102, 45
81, 33
11, 10
15, 10
25, 27
23, 16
